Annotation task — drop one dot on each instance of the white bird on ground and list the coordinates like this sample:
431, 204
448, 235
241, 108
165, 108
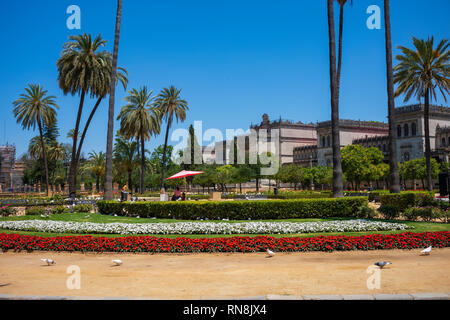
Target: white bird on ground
382, 264
117, 262
48, 261
270, 253
427, 251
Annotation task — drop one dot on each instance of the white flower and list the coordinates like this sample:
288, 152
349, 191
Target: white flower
201, 227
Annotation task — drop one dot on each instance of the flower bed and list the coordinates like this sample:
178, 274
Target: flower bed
236, 244
201, 227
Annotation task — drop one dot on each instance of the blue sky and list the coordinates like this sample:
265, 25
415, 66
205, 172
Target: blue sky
234, 60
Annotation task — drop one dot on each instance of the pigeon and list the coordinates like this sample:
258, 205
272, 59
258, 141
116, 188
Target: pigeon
48, 261
117, 262
427, 251
270, 253
383, 264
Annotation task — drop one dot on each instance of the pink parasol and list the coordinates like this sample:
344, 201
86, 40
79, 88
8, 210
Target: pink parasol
184, 174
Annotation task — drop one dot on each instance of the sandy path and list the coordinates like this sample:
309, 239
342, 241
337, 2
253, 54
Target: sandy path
224, 275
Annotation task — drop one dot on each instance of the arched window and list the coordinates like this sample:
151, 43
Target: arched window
406, 129
443, 142
329, 141
323, 142
406, 156
413, 129
399, 131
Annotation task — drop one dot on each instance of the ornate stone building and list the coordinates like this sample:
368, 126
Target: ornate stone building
11, 172
350, 130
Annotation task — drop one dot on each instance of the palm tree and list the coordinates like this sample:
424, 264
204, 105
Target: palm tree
82, 70
171, 106
125, 155
109, 142
139, 119
341, 31
420, 72
338, 185
394, 179
97, 165
36, 108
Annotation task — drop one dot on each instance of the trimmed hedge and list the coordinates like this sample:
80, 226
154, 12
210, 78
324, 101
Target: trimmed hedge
238, 210
405, 200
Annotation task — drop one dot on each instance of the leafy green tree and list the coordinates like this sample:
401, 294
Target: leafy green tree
420, 73
35, 108
323, 175
360, 164
171, 107
225, 176
290, 173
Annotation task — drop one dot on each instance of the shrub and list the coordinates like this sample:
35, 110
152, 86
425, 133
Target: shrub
238, 210
367, 212
430, 213
83, 208
60, 210
389, 212
405, 200
412, 213
7, 211
34, 211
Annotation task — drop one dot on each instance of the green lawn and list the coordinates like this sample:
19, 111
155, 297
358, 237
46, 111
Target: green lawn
98, 218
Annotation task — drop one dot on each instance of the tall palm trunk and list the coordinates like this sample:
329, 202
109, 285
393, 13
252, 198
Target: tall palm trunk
130, 187
44, 154
338, 188
394, 179
109, 143
83, 135
427, 140
142, 184
74, 161
163, 171
98, 183
341, 31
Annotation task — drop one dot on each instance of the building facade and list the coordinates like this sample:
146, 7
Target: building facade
410, 134
11, 172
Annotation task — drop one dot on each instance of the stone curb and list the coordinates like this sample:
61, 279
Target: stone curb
272, 297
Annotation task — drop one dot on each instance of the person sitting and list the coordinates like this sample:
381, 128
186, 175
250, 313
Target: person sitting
183, 197
176, 194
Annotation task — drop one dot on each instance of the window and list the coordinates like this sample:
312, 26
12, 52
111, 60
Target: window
406, 156
443, 142
323, 142
329, 141
413, 129
399, 131
406, 130
384, 148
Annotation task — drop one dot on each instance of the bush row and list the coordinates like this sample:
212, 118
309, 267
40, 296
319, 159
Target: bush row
408, 199
238, 210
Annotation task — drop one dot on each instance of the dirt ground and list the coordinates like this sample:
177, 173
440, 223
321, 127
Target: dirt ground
217, 276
